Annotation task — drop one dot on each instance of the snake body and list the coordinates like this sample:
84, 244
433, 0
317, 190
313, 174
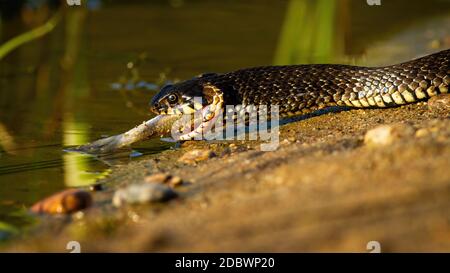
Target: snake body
299, 89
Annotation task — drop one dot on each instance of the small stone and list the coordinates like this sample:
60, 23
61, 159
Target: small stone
231, 148
143, 194
439, 102
175, 181
164, 178
157, 178
65, 202
196, 155
422, 132
387, 134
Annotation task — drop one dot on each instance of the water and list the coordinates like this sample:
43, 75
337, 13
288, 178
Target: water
65, 88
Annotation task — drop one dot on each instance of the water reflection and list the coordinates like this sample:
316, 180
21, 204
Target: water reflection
309, 33
76, 167
42, 112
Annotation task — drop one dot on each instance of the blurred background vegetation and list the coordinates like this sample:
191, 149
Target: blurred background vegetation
93, 69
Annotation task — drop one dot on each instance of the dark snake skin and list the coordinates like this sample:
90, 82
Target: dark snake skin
299, 89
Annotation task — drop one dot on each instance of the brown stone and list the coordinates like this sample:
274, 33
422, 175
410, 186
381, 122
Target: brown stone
388, 134
157, 178
175, 181
196, 155
65, 202
164, 178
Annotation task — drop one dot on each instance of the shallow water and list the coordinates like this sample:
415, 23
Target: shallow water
65, 89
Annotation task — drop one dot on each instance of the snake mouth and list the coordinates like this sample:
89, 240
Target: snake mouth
197, 119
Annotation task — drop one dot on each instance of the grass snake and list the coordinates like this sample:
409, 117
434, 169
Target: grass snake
301, 89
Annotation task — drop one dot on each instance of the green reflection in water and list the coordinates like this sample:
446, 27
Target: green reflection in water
75, 132
308, 34
76, 166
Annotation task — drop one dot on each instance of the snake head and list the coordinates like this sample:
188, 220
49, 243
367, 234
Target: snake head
185, 97
177, 98
193, 97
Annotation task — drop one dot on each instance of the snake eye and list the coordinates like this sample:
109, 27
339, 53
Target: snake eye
172, 98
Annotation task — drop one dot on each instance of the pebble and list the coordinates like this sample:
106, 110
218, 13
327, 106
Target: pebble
157, 178
65, 202
231, 148
164, 178
175, 181
144, 193
388, 134
422, 132
196, 155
